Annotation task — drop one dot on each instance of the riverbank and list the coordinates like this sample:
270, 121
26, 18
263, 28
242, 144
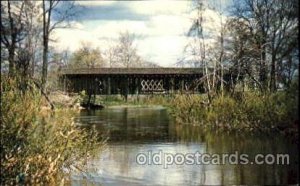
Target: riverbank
247, 111
243, 111
41, 144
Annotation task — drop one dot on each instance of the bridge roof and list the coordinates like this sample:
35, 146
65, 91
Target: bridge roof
150, 71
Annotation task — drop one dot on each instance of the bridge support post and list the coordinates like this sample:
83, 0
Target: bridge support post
172, 83
136, 86
126, 88
64, 82
182, 85
108, 86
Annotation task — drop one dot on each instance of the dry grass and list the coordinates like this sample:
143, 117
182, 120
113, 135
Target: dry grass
37, 143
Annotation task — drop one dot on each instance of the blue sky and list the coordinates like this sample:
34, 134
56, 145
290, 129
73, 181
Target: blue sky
160, 27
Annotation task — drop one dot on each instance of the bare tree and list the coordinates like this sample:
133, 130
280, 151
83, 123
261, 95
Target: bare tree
63, 13
20, 31
126, 51
273, 26
34, 31
110, 55
198, 48
12, 28
217, 50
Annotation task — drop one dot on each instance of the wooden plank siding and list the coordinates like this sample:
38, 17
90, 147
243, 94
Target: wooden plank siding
129, 80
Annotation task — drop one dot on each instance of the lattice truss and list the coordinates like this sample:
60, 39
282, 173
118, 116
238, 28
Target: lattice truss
152, 85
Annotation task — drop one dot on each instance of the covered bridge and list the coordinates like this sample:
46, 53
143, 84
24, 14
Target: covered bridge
131, 80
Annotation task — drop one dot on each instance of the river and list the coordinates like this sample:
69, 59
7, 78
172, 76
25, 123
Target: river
136, 133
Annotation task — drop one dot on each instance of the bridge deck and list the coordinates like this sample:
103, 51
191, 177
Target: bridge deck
128, 71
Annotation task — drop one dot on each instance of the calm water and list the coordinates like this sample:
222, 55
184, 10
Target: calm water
134, 130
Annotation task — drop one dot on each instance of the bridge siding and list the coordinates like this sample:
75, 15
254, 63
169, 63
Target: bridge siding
126, 81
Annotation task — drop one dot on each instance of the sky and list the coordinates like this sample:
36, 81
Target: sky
160, 27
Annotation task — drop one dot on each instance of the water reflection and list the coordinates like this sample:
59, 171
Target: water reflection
131, 124
143, 129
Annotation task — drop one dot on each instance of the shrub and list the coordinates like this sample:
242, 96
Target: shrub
245, 111
38, 143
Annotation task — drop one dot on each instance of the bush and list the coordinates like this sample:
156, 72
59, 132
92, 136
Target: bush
38, 143
245, 111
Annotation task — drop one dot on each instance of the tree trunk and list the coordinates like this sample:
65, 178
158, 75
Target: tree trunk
273, 74
46, 24
11, 61
45, 62
263, 67
12, 46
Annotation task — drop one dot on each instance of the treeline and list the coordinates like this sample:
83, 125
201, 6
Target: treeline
121, 54
256, 42
26, 35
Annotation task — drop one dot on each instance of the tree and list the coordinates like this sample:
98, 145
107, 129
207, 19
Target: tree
216, 50
86, 57
12, 29
20, 35
273, 29
21, 29
197, 48
126, 52
62, 13
110, 55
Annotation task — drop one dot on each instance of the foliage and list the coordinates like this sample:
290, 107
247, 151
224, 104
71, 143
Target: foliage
37, 143
250, 111
86, 57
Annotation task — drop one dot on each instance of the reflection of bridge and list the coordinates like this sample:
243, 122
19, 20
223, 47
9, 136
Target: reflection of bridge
131, 80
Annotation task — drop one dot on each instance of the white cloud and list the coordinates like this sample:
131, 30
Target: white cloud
113, 28
212, 21
70, 39
77, 25
94, 3
163, 50
164, 32
168, 25
159, 7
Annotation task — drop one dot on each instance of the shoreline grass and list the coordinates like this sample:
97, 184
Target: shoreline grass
38, 143
243, 111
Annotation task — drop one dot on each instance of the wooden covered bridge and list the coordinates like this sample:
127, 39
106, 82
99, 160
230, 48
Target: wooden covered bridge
131, 80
